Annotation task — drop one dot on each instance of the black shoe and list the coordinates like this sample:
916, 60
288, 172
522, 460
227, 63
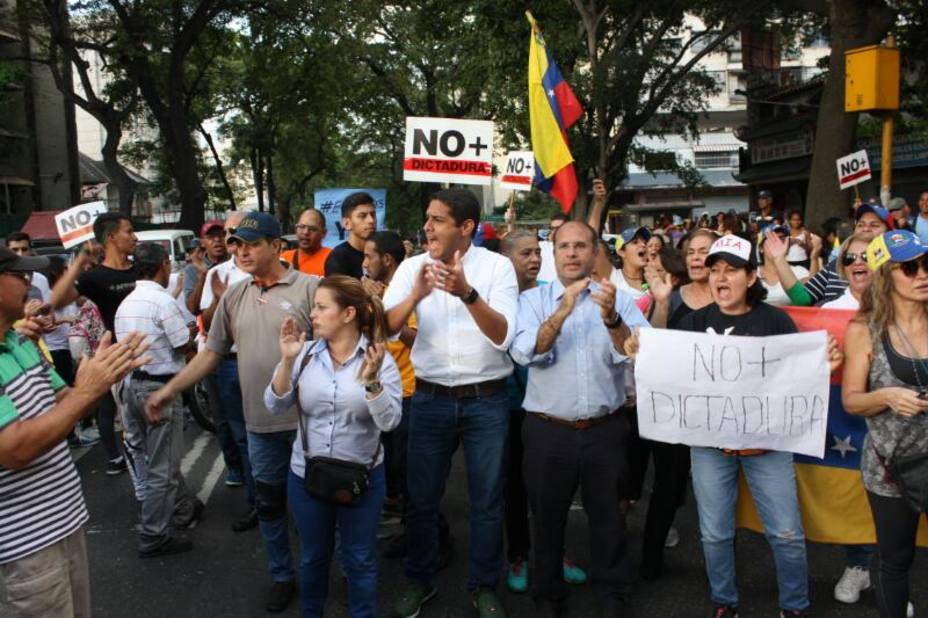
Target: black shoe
396, 547
197, 516
247, 522
280, 596
116, 466
724, 611
177, 544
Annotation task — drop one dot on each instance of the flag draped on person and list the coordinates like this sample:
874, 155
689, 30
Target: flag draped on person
553, 108
832, 497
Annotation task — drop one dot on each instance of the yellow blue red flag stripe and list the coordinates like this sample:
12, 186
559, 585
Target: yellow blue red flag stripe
553, 108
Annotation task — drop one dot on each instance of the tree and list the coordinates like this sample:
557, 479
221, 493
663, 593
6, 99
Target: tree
851, 23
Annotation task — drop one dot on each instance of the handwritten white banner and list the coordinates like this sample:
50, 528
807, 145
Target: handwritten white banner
734, 392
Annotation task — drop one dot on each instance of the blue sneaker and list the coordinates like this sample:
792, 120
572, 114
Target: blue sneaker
573, 574
234, 479
517, 580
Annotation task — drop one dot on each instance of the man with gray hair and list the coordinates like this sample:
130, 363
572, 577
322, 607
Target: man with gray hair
150, 309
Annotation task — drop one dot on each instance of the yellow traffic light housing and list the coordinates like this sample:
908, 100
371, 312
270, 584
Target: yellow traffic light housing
871, 79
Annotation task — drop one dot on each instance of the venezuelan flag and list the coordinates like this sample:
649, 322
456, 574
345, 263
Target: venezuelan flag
553, 108
831, 491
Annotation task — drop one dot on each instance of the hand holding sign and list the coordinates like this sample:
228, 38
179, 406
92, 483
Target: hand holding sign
75, 225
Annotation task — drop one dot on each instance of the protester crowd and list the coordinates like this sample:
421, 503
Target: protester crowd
343, 381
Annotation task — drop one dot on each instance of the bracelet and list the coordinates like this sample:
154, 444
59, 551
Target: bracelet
615, 323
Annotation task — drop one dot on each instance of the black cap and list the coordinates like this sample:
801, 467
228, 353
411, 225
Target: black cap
12, 263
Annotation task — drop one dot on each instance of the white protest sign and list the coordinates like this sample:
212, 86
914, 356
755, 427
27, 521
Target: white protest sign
734, 392
75, 225
853, 169
519, 172
448, 150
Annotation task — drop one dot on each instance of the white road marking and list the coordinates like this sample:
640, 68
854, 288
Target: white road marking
209, 483
190, 459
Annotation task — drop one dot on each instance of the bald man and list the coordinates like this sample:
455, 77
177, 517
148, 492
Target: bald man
309, 257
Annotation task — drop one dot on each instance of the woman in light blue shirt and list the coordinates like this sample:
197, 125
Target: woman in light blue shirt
348, 391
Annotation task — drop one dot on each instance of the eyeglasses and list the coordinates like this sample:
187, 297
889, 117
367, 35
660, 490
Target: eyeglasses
850, 258
910, 268
307, 228
230, 231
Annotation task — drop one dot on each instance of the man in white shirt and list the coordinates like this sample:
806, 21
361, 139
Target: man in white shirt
151, 310
465, 300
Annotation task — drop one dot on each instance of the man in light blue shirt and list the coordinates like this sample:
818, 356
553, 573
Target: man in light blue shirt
921, 221
570, 334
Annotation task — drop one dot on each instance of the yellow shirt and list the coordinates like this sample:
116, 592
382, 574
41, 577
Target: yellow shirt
401, 354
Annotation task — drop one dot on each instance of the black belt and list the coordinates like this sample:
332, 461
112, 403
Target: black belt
583, 423
138, 374
465, 391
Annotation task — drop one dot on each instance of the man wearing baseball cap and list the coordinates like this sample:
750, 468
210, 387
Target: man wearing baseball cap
214, 251
43, 553
249, 315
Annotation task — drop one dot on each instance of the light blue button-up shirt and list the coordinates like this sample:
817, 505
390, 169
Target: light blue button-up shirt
582, 376
338, 419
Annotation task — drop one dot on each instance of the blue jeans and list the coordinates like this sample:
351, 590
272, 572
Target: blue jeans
436, 425
230, 397
859, 556
357, 529
270, 461
772, 480
224, 434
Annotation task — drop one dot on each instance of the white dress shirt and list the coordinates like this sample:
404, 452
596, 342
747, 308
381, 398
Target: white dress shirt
151, 310
450, 349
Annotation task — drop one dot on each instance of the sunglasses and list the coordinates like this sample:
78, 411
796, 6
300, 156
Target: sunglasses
910, 268
850, 258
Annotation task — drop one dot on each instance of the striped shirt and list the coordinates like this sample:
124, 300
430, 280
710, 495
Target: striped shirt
42, 503
152, 311
826, 285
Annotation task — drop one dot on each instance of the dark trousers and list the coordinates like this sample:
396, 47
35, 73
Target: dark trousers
64, 365
896, 528
394, 453
671, 473
518, 537
637, 452
557, 460
106, 423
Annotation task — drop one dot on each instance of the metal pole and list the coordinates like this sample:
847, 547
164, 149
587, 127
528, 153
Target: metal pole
886, 159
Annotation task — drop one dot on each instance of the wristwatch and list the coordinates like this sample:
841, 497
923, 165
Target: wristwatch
471, 297
614, 323
373, 387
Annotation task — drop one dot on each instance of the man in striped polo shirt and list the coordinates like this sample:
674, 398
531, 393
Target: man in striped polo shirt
43, 557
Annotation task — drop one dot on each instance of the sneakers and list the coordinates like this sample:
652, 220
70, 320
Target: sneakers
177, 544
852, 583
234, 479
573, 574
279, 596
249, 521
488, 604
117, 466
673, 538
517, 579
724, 611
910, 610
414, 597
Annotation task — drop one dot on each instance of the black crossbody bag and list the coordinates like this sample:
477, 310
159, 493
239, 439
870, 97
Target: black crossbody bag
332, 480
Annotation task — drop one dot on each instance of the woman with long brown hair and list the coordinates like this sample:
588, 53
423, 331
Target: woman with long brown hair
886, 380
347, 390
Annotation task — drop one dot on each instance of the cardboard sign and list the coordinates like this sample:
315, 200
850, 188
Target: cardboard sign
329, 202
519, 172
448, 150
734, 392
75, 225
853, 169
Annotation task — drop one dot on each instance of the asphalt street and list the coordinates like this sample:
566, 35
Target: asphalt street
225, 573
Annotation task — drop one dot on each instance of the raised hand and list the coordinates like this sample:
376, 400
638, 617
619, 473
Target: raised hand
605, 298
660, 284
599, 189
111, 363
291, 339
422, 286
776, 247
219, 285
373, 359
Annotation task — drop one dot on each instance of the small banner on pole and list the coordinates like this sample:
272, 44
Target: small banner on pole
519, 172
448, 150
75, 225
853, 169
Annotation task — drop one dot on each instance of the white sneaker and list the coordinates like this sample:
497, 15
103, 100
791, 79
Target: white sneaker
910, 610
849, 587
673, 538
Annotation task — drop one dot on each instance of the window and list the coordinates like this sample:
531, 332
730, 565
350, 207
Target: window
713, 160
659, 161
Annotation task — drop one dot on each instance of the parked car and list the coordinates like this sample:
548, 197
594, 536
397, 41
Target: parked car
177, 242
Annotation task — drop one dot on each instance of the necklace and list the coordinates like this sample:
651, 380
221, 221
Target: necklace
910, 350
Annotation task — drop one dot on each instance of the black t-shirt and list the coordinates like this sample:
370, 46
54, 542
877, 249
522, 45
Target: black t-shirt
345, 260
107, 288
762, 320
677, 311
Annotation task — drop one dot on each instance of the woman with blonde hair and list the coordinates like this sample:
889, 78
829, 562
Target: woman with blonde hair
886, 380
347, 390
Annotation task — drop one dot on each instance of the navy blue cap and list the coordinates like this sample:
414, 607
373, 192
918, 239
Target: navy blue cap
628, 234
255, 226
764, 193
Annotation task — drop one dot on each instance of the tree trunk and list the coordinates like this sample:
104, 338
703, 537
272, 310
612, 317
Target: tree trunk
854, 23
220, 169
124, 183
271, 189
257, 172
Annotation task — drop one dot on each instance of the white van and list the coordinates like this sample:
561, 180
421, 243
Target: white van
177, 242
